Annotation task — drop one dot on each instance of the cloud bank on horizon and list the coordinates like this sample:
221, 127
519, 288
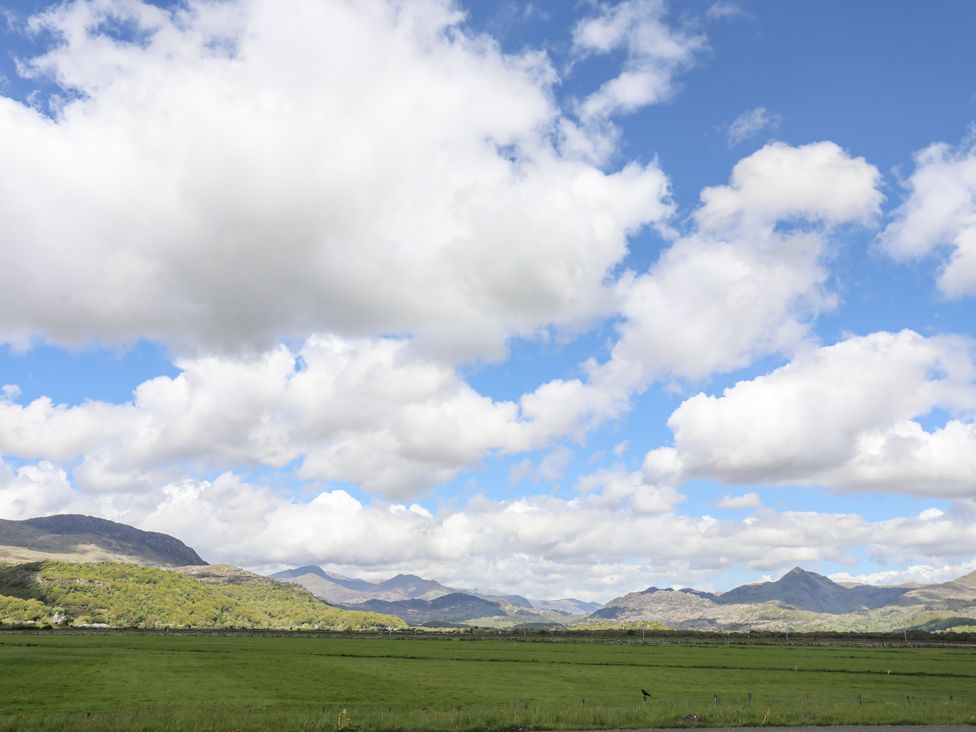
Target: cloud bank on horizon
499, 297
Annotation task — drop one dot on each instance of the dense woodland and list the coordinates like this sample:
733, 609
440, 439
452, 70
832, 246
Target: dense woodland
60, 593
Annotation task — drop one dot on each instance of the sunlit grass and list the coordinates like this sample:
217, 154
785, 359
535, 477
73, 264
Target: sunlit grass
241, 683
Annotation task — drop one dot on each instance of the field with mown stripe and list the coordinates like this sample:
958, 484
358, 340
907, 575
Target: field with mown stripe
91, 682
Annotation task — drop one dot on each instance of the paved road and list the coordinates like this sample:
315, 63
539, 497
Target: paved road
902, 728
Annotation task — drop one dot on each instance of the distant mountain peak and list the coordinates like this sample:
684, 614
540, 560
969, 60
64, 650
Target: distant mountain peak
412, 584
805, 590
798, 574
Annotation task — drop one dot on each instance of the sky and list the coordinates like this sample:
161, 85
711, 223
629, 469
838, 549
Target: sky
556, 298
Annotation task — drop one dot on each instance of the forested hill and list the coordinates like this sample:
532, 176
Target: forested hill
124, 595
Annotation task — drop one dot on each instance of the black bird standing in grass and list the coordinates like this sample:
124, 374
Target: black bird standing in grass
647, 695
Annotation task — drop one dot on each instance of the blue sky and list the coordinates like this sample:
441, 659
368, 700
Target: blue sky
557, 298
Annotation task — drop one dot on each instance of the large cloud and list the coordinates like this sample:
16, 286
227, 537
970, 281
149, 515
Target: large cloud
746, 282
36, 489
368, 411
940, 213
232, 174
371, 412
238, 175
845, 416
597, 545
376, 413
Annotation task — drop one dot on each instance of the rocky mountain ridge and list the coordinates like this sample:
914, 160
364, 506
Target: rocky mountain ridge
803, 590
801, 600
73, 537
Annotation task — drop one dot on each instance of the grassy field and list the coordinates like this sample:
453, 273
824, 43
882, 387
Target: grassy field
54, 682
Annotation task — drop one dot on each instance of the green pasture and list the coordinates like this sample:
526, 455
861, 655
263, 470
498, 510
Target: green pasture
105, 682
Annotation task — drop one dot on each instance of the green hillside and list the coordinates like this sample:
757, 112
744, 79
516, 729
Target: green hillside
124, 595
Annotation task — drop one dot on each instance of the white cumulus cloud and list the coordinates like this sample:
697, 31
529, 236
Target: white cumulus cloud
368, 411
619, 537
844, 416
939, 213
383, 414
243, 175
739, 286
655, 53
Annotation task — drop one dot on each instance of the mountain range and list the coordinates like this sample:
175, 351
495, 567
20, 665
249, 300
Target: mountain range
40, 554
421, 601
802, 600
